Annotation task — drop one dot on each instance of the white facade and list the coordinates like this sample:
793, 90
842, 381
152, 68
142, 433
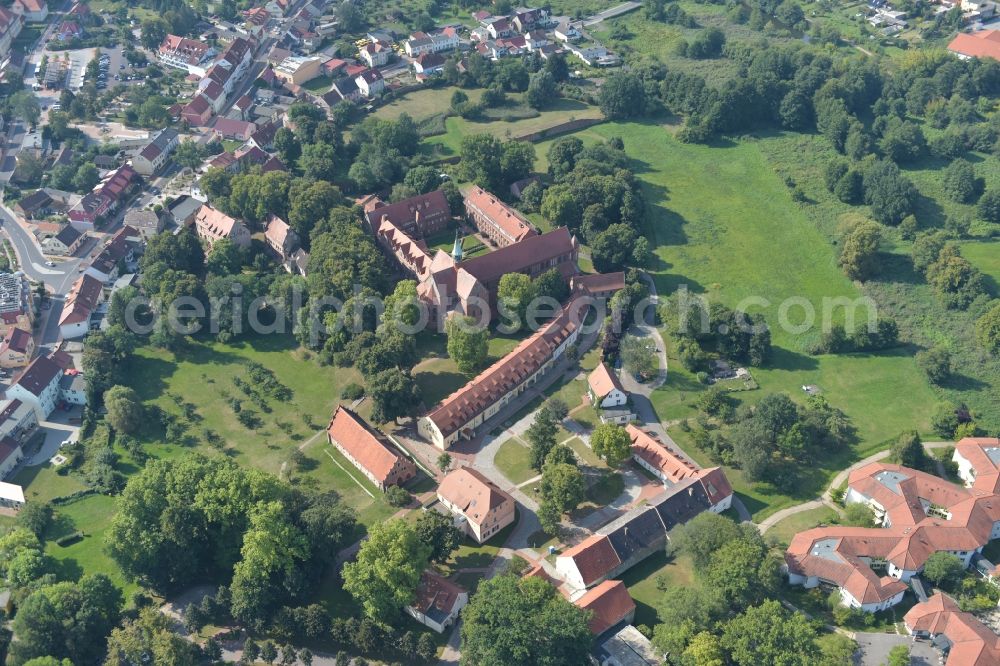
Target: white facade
965, 471
616, 398
43, 404
7, 466
76, 330
566, 568
440, 625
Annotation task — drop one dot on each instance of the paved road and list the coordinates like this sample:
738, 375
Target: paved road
618, 10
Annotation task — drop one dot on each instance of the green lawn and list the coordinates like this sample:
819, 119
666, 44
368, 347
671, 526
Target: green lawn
92, 516
985, 257
437, 376
513, 461
645, 579
422, 103
784, 530
562, 110
42, 484
320, 85
750, 244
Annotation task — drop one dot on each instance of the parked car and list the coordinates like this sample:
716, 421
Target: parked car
50, 263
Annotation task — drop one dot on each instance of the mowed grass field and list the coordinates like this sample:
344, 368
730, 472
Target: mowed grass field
202, 374
750, 245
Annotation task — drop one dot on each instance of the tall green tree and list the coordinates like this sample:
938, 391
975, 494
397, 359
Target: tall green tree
468, 344
611, 443
768, 634
512, 621
387, 570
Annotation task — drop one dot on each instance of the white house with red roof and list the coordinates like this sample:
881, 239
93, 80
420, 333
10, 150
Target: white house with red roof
38, 386
965, 640
370, 82
605, 389
212, 225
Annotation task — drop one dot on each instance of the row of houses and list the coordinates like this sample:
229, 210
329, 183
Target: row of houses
919, 514
106, 197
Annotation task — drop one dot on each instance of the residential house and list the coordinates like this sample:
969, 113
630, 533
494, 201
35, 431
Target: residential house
536, 40
69, 30
428, 64
496, 220
299, 70
382, 36
11, 495
11, 454
610, 606
17, 421
263, 136
189, 55
421, 43
604, 388
16, 349
462, 414
375, 54
632, 537
370, 82
73, 388
255, 20
369, 450
238, 130
920, 514
16, 309
281, 239
105, 198
34, 11
342, 89
566, 32
595, 55
214, 94
212, 225
11, 24
183, 209
480, 508
86, 294
963, 639
524, 19
36, 205
437, 602
627, 647
145, 222
155, 154
498, 28
38, 386
65, 243
420, 216
117, 252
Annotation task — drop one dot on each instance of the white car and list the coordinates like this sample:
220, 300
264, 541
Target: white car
50, 264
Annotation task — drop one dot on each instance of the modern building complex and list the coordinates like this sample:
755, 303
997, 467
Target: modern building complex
462, 414
369, 450
481, 509
920, 514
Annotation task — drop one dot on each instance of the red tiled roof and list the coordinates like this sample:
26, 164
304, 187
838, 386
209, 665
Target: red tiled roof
597, 283
81, 300
602, 381
972, 642
18, 341
514, 225
610, 603
982, 44
594, 557
503, 376
474, 494
673, 466
363, 443
436, 592
405, 213
533, 250
974, 449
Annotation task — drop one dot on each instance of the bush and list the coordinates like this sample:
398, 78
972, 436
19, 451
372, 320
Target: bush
352, 391
69, 539
397, 496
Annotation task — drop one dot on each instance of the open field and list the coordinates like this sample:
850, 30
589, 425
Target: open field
42, 484
750, 243
92, 516
203, 374
425, 102
985, 257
